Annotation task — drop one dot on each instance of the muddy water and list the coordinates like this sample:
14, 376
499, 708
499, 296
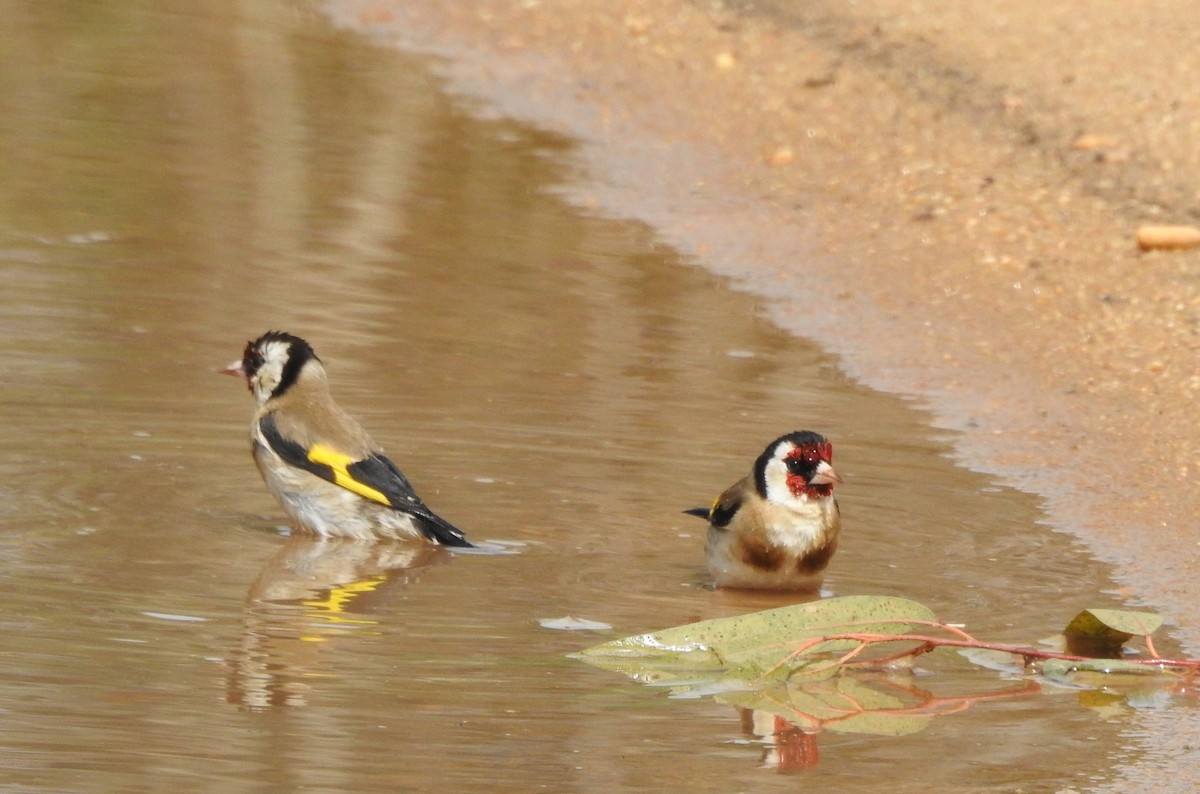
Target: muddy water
177, 182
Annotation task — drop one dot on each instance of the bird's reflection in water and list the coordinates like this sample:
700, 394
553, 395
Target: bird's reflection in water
311, 593
786, 748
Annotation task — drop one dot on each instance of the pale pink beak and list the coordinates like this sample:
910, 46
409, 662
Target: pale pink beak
825, 475
234, 369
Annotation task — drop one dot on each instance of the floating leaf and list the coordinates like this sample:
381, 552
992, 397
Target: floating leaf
1124, 620
1104, 672
1111, 684
751, 644
1101, 632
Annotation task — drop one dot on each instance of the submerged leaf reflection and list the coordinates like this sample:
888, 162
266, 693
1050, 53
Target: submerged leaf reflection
788, 717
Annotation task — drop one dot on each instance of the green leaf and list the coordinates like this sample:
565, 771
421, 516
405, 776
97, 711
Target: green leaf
1102, 632
1134, 623
753, 643
1110, 684
1076, 671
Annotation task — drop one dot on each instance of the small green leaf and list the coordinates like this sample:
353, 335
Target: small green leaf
1111, 682
1101, 632
1073, 671
1134, 623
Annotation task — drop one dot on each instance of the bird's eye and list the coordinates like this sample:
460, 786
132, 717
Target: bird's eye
798, 465
252, 359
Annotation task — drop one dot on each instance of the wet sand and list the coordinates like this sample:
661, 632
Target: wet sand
945, 194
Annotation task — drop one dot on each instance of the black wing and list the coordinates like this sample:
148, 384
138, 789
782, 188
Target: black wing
722, 511
380, 473
375, 478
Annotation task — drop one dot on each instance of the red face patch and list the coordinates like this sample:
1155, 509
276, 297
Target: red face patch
799, 486
812, 453
802, 464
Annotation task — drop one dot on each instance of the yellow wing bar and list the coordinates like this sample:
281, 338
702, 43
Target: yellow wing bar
338, 462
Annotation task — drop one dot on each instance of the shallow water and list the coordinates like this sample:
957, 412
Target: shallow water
179, 182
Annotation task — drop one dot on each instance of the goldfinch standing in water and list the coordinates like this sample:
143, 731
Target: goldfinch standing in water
318, 462
777, 528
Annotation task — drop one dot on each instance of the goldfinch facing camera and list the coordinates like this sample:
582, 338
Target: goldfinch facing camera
318, 462
777, 528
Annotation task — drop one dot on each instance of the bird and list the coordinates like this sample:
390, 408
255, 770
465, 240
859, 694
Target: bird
777, 528
330, 478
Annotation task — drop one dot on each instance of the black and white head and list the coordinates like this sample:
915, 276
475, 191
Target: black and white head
272, 364
795, 469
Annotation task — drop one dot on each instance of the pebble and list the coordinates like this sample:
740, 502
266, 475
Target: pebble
781, 156
1094, 142
1151, 238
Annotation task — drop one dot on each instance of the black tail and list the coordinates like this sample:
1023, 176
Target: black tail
702, 512
439, 529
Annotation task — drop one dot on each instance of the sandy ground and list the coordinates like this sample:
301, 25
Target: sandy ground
945, 193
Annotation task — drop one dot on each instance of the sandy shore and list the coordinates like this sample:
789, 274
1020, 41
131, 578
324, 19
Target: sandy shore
946, 194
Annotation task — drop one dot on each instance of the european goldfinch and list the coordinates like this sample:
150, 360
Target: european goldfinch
319, 463
777, 528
